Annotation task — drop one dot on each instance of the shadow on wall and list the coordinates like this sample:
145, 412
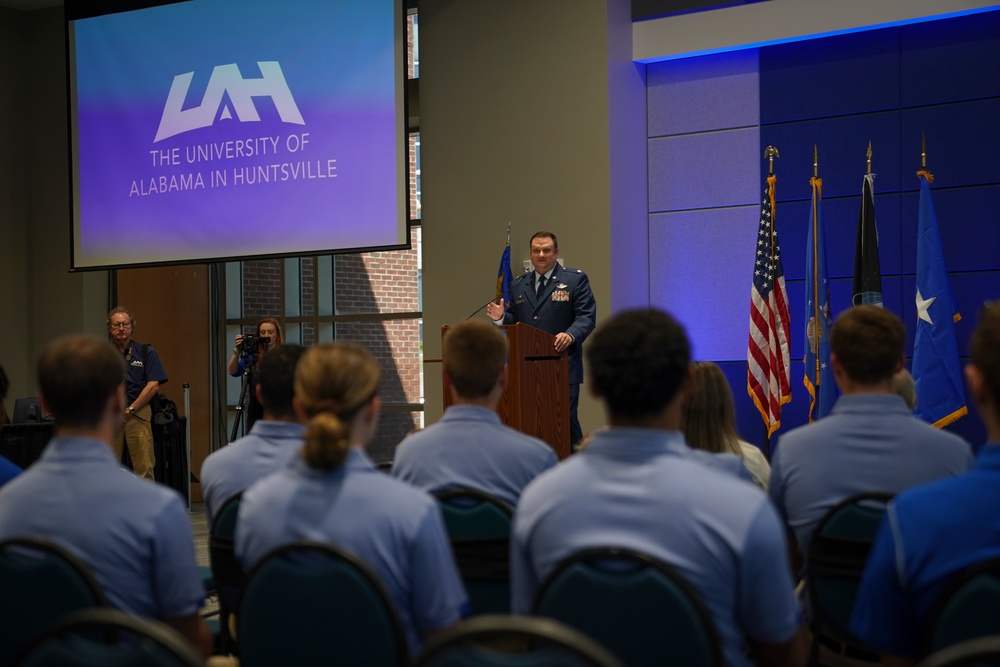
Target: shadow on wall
363, 284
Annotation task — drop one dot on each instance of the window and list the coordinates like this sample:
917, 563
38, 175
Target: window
373, 299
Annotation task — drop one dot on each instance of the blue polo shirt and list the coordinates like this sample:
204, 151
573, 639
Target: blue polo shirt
469, 447
642, 489
394, 528
268, 447
8, 471
136, 537
140, 371
929, 534
868, 442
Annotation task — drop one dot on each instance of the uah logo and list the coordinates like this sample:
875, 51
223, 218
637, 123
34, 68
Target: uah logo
226, 79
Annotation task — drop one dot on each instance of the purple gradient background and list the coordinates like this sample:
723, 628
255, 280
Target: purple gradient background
351, 116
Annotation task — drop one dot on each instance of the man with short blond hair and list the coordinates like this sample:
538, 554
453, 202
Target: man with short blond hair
469, 447
135, 537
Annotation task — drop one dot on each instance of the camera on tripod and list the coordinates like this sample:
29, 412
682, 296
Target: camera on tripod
252, 344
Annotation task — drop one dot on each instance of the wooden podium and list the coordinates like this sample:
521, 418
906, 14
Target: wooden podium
536, 401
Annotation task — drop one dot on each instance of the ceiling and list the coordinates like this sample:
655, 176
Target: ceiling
28, 5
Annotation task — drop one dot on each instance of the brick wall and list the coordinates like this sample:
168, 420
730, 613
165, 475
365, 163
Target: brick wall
363, 284
262, 293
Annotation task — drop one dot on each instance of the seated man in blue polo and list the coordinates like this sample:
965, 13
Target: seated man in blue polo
469, 447
636, 486
869, 442
135, 537
932, 532
272, 440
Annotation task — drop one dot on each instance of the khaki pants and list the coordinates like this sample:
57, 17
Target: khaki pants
138, 434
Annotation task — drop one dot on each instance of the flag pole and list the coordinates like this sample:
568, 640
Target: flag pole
923, 162
814, 372
770, 153
936, 367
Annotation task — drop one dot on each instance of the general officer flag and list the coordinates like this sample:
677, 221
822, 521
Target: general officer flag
936, 371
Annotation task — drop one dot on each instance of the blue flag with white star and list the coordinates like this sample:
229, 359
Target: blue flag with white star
818, 377
936, 370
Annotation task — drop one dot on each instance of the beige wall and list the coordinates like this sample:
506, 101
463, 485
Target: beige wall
516, 125
42, 300
13, 204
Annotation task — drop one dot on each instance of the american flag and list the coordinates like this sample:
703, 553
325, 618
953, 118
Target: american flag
768, 373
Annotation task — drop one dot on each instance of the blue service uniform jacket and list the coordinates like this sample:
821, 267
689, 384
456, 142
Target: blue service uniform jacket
566, 304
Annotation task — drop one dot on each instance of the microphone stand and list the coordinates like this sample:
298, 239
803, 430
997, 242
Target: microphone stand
517, 280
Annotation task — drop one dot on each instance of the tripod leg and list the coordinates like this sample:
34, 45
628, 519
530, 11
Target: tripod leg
241, 405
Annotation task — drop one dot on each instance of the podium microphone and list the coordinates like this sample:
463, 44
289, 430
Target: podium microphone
527, 272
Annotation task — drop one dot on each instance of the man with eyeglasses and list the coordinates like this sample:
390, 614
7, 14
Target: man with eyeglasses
143, 376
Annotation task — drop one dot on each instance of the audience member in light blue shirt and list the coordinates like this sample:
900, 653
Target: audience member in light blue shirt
870, 441
932, 532
469, 447
637, 486
272, 441
134, 535
334, 494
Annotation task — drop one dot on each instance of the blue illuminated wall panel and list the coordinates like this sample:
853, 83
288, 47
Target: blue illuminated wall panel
709, 120
684, 170
949, 61
704, 94
705, 286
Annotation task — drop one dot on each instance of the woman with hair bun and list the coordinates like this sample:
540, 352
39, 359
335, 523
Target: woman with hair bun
710, 421
333, 493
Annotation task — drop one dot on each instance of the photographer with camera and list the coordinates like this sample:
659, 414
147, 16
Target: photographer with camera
246, 355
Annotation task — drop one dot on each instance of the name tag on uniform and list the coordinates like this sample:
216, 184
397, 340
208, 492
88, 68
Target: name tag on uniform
560, 295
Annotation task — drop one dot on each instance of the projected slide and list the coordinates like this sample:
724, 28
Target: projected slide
213, 129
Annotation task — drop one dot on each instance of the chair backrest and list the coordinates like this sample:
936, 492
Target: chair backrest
835, 561
308, 603
478, 526
226, 570
102, 637
40, 582
227, 573
980, 652
965, 608
495, 640
635, 605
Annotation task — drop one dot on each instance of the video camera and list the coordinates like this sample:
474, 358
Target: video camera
252, 344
